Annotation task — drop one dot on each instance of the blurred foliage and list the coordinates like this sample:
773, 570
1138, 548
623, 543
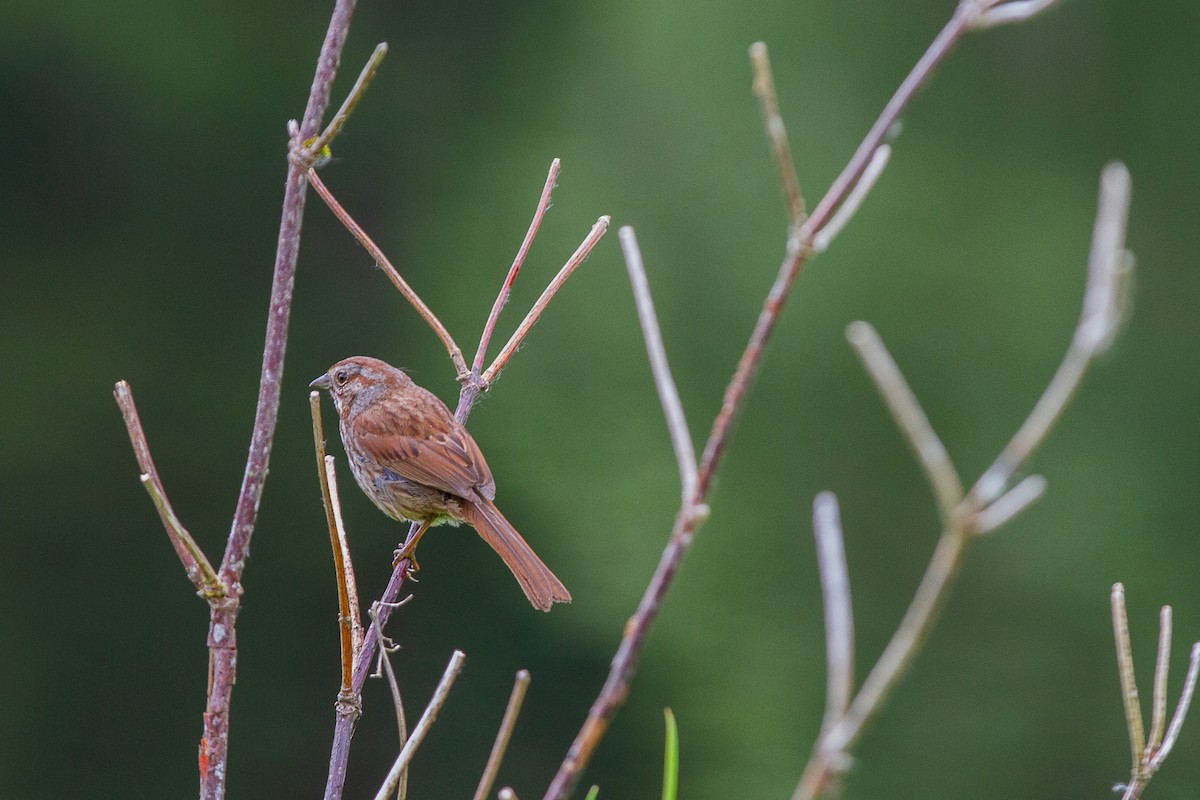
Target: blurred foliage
141, 192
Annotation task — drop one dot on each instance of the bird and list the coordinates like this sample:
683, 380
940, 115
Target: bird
417, 463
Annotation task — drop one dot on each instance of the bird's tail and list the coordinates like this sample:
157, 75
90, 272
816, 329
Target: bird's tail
540, 585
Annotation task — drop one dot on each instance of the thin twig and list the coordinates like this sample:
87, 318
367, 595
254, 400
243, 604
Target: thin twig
1129, 691
1015, 11
343, 570
1097, 323
522, 251
577, 258
1008, 505
768, 102
197, 566
356, 93
456, 356
909, 416
1158, 702
846, 211
681, 437
385, 665
839, 617
943, 43
511, 712
1185, 700
427, 719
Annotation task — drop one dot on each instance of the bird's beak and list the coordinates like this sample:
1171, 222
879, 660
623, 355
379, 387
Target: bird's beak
320, 383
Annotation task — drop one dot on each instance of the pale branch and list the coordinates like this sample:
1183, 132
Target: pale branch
668, 394
507, 724
506, 288
909, 417
422, 727
1148, 755
385, 667
846, 211
962, 516
1007, 13
1181, 709
692, 512
381, 260
578, 257
1158, 703
1008, 505
839, 616
1098, 321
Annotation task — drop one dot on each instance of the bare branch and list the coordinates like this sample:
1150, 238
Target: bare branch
1008, 505
839, 617
197, 566
385, 666
535, 313
423, 725
1185, 700
350, 623
1129, 691
511, 712
522, 251
356, 93
1097, 324
854, 200
941, 46
1007, 13
1158, 703
764, 89
910, 418
456, 356
681, 437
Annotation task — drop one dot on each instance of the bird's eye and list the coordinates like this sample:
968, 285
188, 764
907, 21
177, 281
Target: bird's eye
341, 376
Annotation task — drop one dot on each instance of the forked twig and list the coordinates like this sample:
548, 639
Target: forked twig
423, 724
578, 257
964, 516
511, 712
1102, 311
522, 251
197, 566
365, 77
472, 384
1148, 755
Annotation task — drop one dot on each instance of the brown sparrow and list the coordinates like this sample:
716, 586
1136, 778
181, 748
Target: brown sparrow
417, 462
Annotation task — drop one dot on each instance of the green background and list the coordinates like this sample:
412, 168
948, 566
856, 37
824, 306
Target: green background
141, 187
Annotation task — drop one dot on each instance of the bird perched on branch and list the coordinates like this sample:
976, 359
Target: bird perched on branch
416, 462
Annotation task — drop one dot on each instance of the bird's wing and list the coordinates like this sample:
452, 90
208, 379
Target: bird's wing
448, 460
